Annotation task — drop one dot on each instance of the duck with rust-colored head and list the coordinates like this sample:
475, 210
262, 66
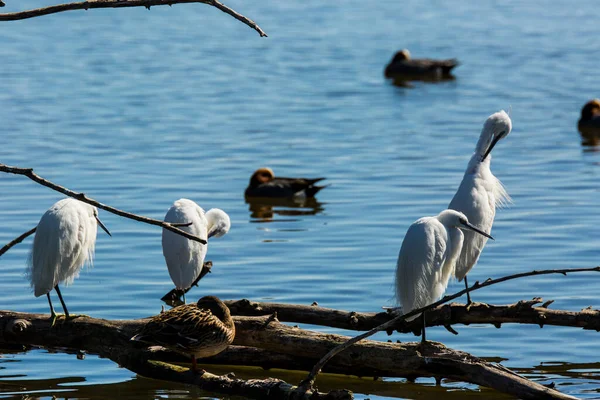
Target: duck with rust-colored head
263, 183
589, 123
403, 66
199, 330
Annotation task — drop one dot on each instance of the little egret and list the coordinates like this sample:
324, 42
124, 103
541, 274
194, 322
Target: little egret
479, 193
263, 183
185, 257
427, 258
64, 241
589, 123
404, 67
200, 330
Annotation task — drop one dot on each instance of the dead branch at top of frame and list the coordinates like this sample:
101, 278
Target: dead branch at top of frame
86, 5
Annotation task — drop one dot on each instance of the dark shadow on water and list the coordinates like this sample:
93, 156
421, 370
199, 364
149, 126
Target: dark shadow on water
269, 209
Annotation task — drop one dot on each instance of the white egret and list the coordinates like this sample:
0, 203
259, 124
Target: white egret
479, 193
427, 257
64, 241
185, 257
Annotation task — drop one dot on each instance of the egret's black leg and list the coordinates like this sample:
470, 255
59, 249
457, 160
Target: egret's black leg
468, 295
64, 306
52, 312
423, 339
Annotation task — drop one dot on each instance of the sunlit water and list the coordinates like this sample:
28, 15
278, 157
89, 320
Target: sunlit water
138, 108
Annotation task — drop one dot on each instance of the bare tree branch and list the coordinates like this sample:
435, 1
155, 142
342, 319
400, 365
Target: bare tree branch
16, 240
85, 5
522, 312
28, 172
310, 379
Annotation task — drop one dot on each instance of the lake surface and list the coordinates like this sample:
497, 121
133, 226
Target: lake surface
139, 108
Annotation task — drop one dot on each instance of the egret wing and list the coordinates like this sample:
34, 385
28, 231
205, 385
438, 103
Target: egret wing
419, 269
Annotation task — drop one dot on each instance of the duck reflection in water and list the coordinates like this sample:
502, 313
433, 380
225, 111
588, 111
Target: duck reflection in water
589, 123
403, 69
264, 209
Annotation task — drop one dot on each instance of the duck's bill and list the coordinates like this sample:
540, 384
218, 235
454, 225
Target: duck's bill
102, 226
475, 229
489, 150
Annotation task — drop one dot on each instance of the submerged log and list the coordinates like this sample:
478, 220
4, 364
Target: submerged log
284, 347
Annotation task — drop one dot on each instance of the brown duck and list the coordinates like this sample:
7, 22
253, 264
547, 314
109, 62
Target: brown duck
589, 123
263, 183
403, 66
200, 330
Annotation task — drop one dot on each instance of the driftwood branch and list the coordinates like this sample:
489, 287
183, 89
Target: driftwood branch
17, 240
310, 379
286, 344
28, 172
86, 5
522, 312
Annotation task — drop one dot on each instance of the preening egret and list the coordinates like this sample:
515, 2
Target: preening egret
589, 123
479, 193
185, 257
64, 241
263, 183
200, 330
403, 66
427, 257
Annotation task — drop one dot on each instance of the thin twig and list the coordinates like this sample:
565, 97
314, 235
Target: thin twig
85, 5
28, 172
17, 240
310, 379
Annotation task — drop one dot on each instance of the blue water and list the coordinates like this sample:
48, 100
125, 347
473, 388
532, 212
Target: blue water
139, 108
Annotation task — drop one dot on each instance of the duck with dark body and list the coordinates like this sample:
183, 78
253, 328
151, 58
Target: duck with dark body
589, 123
264, 183
404, 67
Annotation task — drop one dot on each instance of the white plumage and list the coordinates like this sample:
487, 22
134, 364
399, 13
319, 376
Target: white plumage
64, 241
427, 259
185, 257
480, 192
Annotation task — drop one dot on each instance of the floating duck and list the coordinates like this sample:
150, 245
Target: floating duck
263, 183
589, 123
402, 67
199, 330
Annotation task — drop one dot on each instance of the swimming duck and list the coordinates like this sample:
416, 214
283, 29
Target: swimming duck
263, 183
403, 66
200, 330
589, 123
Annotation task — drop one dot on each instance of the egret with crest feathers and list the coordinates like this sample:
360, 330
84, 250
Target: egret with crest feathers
64, 241
479, 193
185, 257
427, 258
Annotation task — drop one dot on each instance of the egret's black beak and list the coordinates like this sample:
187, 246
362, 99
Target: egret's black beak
211, 233
489, 150
102, 226
475, 229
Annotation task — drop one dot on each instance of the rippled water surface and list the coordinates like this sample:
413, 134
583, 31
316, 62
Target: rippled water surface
139, 108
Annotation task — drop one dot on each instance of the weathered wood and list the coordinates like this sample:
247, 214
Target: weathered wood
522, 312
90, 4
369, 358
